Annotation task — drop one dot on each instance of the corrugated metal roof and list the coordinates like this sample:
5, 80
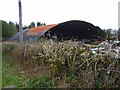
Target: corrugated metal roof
36, 30
32, 34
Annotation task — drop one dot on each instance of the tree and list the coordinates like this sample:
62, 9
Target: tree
44, 24
108, 32
5, 28
12, 29
8, 29
17, 27
32, 24
38, 24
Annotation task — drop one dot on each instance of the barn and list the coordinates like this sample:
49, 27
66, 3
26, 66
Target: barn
78, 30
74, 29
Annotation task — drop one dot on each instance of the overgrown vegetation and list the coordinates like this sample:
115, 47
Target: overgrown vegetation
65, 64
10, 75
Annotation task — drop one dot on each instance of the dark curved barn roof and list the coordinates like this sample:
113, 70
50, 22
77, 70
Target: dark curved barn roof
76, 29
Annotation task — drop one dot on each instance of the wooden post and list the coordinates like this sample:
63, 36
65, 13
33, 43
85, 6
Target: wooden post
118, 21
20, 24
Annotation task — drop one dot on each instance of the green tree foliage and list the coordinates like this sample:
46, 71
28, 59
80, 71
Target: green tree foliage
44, 24
40, 24
32, 24
8, 29
4, 29
108, 31
111, 34
17, 27
0, 30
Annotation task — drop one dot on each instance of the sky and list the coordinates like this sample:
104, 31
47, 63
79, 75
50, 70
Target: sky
102, 13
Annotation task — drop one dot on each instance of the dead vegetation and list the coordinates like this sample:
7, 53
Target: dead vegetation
68, 63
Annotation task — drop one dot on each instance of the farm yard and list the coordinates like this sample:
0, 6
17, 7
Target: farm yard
72, 54
60, 44
53, 64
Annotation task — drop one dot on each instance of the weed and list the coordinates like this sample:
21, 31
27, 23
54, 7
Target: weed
10, 76
42, 82
70, 61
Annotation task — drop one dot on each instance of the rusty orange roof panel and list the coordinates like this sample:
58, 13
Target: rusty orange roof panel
34, 31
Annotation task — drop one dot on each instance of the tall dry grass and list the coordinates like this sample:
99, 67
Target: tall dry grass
69, 63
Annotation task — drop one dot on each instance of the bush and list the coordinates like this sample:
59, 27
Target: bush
71, 62
8, 47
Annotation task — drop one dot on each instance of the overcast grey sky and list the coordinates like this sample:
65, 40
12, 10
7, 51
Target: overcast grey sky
102, 13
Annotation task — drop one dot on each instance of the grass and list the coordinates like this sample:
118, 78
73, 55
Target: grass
0, 71
41, 82
10, 75
0, 65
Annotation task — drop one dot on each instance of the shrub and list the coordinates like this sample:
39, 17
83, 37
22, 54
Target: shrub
8, 47
71, 62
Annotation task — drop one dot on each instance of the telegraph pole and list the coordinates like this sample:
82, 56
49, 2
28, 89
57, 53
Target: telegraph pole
118, 21
20, 24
